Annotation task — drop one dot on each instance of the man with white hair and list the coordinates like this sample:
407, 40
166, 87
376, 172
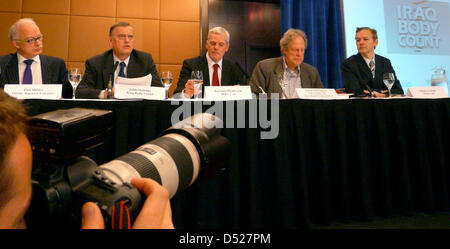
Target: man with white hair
288, 70
28, 65
217, 71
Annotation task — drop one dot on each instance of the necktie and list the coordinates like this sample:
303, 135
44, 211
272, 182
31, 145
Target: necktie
27, 76
122, 67
215, 81
372, 68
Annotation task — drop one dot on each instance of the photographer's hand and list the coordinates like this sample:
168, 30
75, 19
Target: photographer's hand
91, 217
155, 213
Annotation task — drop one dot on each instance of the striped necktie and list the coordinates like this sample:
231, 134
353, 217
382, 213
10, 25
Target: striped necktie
372, 68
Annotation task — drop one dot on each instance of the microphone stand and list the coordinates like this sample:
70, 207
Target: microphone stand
110, 82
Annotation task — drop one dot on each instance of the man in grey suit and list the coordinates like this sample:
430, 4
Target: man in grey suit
288, 70
121, 60
28, 65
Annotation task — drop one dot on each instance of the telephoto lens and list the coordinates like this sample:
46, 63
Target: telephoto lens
186, 151
191, 150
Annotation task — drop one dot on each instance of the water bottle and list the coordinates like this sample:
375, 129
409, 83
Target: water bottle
438, 78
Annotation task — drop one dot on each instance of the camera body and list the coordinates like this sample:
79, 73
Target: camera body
64, 181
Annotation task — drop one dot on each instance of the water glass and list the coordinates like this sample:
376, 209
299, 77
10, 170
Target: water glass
74, 75
197, 77
166, 80
388, 80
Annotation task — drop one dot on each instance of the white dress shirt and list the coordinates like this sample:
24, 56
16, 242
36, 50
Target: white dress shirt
36, 71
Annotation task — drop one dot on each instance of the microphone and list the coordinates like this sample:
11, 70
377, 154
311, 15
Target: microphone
360, 92
112, 74
366, 85
262, 90
111, 81
242, 70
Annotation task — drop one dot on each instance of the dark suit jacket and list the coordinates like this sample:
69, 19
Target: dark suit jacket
231, 73
53, 72
357, 73
265, 75
98, 70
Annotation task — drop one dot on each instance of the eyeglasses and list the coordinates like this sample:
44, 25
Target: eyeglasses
32, 40
122, 37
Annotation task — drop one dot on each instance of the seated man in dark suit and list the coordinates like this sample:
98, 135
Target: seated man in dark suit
227, 73
367, 68
122, 60
28, 65
289, 68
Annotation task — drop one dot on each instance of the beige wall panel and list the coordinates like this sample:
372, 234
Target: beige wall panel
78, 29
146, 35
180, 10
6, 20
93, 7
56, 33
46, 6
175, 69
138, 8
179, 41
10, 5
79, 65
88, 36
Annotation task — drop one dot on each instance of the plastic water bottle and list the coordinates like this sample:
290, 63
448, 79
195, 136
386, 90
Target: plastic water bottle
439, 78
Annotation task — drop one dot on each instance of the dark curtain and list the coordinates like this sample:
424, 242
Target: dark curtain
333, 160
322, 23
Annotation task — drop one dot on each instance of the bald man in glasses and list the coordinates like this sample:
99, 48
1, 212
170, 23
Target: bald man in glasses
28, 65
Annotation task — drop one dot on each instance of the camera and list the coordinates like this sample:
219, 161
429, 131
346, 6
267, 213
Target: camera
63, 179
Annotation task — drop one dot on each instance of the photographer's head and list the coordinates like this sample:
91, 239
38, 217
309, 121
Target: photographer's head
15, 163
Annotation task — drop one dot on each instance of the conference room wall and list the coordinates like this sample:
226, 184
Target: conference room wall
75, 30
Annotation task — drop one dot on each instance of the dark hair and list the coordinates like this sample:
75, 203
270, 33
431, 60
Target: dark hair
13, 122
373, 31
119, 24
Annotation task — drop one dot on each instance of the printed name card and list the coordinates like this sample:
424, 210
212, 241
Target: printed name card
227, 92
319, 93
139, 92
426, 92
39, 91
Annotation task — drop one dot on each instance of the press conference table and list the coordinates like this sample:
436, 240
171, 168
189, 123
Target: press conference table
333, 160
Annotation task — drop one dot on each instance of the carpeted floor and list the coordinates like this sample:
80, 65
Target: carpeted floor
419, 221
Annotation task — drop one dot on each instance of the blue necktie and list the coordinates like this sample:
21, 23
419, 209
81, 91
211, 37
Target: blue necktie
122, 67
27, 76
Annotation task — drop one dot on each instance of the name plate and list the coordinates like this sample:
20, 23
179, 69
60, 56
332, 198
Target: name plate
319, 93
47, 91
426, 92
227, 92
139, 92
